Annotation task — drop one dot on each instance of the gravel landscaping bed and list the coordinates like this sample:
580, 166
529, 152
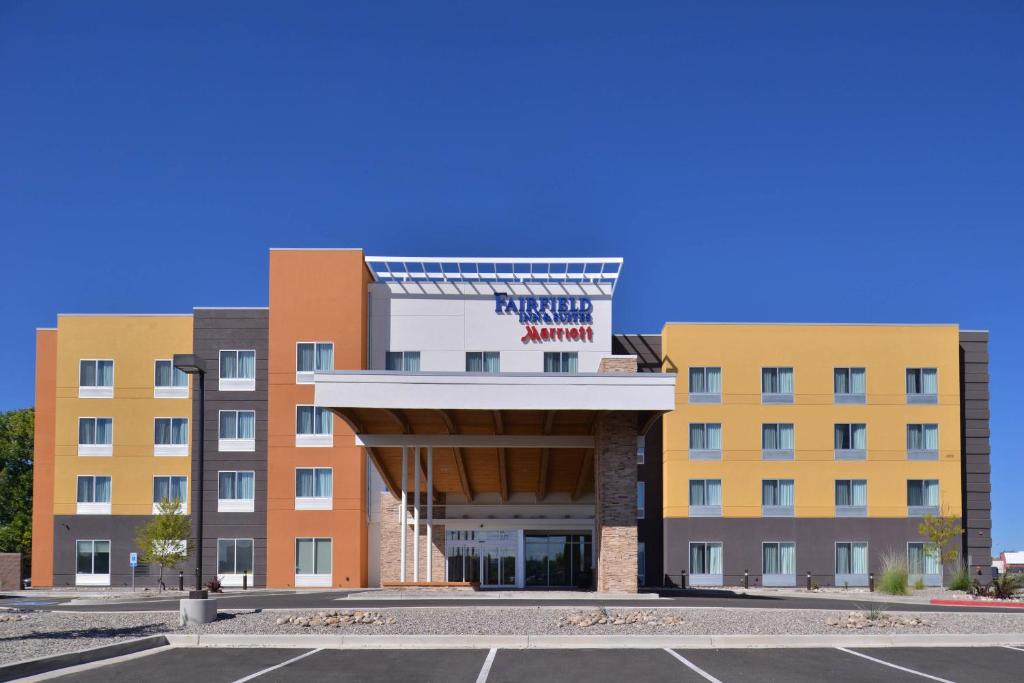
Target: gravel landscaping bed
38, 634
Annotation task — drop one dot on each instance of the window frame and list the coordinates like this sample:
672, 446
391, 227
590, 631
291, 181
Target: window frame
92, 578
641, 503
923, 453
93, 507
316, 439
849, 510
236, 504
173, 449
849, 397
699, 579
927, 579
235, 578
391, 354
704, 396
95, 449
851, 579
96, 390
850, 453
922, 510
778, 580
778, 510
306, 376
183, 508
236, 445
704, 453
316, 579
563, 357
172, 390
314, 502
777, 397
919, 398
235, 383
483, 361
778, 453
704, 510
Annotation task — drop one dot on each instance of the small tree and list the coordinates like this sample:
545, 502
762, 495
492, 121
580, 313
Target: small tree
940, 531
163, 539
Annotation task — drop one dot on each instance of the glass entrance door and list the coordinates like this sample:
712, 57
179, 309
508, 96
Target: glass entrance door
487, 557
499, 568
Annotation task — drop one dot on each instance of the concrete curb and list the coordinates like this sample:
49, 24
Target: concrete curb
467, 642
557, 596
31, 667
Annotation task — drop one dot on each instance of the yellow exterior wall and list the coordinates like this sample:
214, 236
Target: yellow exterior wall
134, 343
813, 351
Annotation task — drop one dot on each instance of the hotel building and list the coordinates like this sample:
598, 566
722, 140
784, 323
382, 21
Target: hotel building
393, 420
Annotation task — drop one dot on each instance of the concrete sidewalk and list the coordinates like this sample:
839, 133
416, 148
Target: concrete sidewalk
468, 594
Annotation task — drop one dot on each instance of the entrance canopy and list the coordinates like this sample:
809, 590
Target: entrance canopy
501, 433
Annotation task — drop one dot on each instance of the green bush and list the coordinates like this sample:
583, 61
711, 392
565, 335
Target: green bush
961, 579
919, 584
895, 574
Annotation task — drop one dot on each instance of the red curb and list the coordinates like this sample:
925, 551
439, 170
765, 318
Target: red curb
976, 603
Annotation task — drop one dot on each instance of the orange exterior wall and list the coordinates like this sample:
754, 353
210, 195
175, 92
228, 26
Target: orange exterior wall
44, 446
315, 295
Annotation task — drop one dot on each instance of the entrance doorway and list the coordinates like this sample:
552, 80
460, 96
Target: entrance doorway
490, 558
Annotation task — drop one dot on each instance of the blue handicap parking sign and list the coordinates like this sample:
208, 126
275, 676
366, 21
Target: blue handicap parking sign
133, 559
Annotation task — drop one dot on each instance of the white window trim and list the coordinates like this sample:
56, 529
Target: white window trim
235, 445
312, 440
234, 580
314, 580
705, 453
927, 579
850, 398
183, 508
923, 453
314, 502
778, 580
704, 396
700, 580
922, 398
174, 449
96, 391
235, 383
852, 580
305, 377
92, 579
778, 453
237, 504
93, 508
171, 391
96, 449
773, 397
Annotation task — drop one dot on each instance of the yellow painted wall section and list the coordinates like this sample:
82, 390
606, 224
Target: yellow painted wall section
813, 351
134, 343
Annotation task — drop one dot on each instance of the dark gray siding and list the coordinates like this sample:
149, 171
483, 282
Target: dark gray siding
814, 537
975, 464
647, 349
226, 328
120, 531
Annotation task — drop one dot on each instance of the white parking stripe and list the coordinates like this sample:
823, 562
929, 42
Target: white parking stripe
486, 670
693, 666
1011, 647
896, 666
278, 666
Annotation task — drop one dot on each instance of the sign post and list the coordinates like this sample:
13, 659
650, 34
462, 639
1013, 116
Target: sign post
133, 560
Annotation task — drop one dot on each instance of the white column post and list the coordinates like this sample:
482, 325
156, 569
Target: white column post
416, 518
403, 513
430, 512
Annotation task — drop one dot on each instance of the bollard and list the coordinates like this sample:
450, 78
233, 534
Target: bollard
181, 580
808, 581
746, 579
245, 580
871, 582
682, 580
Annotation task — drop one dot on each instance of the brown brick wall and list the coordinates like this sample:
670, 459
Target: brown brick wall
618, 364
391, 542
10, 571
615, 506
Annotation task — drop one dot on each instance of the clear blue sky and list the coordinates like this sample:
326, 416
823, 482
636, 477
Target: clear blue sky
758, 161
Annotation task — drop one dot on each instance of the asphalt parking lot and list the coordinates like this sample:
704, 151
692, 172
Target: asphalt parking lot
836, 665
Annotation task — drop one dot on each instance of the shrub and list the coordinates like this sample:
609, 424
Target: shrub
919, 584
213, 585
895, 574
961, 579
1005, 586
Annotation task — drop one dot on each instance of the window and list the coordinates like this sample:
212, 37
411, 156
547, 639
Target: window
776, 385
639, 500
923, 562
851, 442
705, 563
705, 441
237, 430
777, 497
170, 488
777, 442
561, 361
403, 361
851, 498
705, 385
168, 381
922, 497
234, 558
313, 488
92, 563
923, 442
95, 436
312, 357
641, 450
483, 361
922, 385
237, 371
313, 561
236, 491
850, 385
641, 563
93, 495
96, 379
313, 426
851, 564
778, 564
170, 436
705, 498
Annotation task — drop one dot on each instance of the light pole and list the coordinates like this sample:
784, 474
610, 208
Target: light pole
191, 364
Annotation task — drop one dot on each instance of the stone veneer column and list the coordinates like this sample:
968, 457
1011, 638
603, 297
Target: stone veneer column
615, 501
391, 541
